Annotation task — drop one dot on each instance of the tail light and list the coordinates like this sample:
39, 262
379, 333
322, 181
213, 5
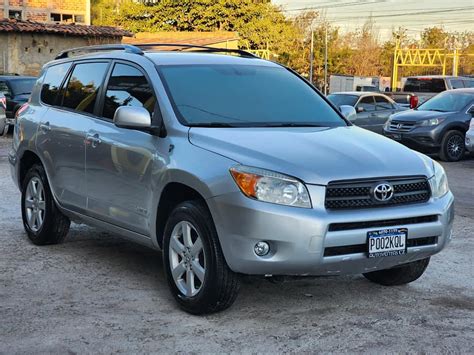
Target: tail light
3, 102
21, 109
413, 101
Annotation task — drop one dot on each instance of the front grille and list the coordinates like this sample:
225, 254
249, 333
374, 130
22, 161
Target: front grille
400, 126
359, 193
362, 248
335, 227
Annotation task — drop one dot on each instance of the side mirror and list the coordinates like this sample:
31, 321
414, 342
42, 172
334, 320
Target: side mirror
348, 112
132, 117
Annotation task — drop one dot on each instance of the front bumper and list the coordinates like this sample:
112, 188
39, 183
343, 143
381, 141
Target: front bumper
423, 139
470, 140
299, 237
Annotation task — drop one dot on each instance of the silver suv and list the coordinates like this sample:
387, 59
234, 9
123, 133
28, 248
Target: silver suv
229, 164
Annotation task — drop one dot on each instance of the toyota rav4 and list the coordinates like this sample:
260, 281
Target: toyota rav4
228, 164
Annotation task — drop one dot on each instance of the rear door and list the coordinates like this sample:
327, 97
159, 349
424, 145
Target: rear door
366, 115
119, 161
62, 130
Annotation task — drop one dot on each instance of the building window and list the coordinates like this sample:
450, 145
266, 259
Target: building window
55, 17
66, 18
79, 18
15, 14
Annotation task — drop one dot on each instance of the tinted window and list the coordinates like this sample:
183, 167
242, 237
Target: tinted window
22, 86
52, 82
4, 88
382, 103
245, 95
468, 83
367, 103
457, 84
448, 101
339, 100
424, 85
127, 87
83, 85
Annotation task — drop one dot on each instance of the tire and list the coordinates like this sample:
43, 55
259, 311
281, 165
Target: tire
400, 275
219, 286
452, 146
49, 226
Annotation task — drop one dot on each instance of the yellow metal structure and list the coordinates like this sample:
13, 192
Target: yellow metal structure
417, 57
262, 53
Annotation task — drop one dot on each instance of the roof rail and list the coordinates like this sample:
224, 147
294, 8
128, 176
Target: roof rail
181, 47
103, 47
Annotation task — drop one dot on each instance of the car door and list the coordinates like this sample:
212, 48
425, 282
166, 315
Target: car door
62, 130
383, 109
366, 115
119, 161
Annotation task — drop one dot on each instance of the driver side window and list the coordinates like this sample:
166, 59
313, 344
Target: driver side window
127, 86
366, 104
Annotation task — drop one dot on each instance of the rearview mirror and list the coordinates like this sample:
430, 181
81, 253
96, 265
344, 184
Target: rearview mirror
348, 112
132, 117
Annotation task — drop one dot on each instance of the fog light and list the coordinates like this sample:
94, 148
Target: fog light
261, 248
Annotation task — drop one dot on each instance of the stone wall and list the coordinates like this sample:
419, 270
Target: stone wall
26, 53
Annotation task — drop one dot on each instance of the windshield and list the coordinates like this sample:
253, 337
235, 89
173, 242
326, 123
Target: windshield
22, 86
339, 99
447, 102
245, 96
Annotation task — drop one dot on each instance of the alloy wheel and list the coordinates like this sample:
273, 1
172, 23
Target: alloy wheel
455, 146
35, 204
187, 259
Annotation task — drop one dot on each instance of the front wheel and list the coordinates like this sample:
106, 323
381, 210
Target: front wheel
197, 273
452, 146
399, 275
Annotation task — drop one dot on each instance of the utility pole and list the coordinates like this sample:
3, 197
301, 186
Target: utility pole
326, 60
311, 57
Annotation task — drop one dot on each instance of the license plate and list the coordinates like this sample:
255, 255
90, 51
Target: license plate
387, 242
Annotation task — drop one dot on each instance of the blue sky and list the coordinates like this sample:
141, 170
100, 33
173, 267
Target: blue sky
454, 15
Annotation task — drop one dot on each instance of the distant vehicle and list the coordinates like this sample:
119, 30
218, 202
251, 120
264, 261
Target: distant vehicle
437, 126
17, 90
344, 83
373, 109
3, 117
470, 137
418, 89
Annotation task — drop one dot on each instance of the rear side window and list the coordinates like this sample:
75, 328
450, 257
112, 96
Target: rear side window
457, 84
52, 82
367, 103
424, 85
382, 103
127, 87
469, 83
83, 86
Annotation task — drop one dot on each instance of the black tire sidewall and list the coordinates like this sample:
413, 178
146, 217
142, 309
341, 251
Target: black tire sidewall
195, 214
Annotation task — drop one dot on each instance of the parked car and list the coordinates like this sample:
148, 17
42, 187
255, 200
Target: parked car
17, 90
373, 109
3, 117
229, 164
437, 126
418, 89
470, 137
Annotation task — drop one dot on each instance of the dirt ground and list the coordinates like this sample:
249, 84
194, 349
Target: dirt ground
97, 293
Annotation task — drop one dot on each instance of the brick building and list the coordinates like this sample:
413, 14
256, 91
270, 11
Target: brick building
25, 45
48, 11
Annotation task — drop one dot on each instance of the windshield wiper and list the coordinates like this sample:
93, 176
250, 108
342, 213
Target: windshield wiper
287, 124
436, 109
212, 124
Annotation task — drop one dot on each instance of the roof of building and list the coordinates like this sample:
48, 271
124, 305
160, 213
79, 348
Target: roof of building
197, 38
9, 25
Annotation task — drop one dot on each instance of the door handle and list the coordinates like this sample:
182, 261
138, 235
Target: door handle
45, 127
93, 139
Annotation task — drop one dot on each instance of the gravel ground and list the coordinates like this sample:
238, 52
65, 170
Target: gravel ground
97, 293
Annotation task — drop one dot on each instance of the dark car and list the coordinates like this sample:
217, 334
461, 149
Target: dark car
373, 109
17, 90
436, 126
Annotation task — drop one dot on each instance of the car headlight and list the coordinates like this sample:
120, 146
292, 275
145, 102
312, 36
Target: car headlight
432, 122
270, 186
439, 181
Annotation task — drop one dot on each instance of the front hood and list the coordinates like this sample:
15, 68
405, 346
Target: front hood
314, 155
418, 115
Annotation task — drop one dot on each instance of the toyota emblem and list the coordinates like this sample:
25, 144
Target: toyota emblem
383, 192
